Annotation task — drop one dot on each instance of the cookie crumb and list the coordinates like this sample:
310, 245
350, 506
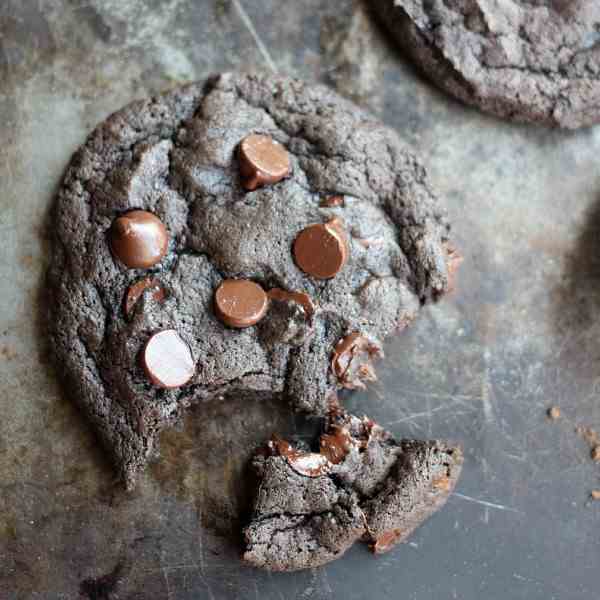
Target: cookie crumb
596, 454
589, 435
595, 494
554, 413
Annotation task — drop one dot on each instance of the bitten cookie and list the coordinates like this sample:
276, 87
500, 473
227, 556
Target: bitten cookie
248, 235
310, 507
524, 60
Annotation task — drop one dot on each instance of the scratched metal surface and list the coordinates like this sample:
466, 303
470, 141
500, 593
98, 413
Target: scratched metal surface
521, 333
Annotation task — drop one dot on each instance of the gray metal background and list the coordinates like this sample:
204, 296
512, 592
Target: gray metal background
520, 334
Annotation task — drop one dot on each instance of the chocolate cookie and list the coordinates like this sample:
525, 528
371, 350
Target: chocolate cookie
362, 485
526, 60
250, 235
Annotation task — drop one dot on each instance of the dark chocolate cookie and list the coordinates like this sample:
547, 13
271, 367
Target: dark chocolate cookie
362, 485
247, 235
526, 60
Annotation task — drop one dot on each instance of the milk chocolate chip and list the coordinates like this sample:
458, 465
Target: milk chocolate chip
290, 318
352, 359
240, 303
263, 161
136, 290
300, 298
309, 464
386, 541
321, 250
336, 444
138, 239
168, 360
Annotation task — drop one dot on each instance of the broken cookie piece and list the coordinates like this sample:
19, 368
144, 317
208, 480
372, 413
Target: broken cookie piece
299, 521
372, 488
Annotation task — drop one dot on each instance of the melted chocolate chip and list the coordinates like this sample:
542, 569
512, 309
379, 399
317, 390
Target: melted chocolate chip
139, 239
336, 444
351, 361
386, 541
300, 298
135, 291
309, 464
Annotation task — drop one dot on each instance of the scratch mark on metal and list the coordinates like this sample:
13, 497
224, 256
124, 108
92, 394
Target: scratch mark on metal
515, 457
429, 413
488, 410
488, 504
208, 589
259, 43
465, 400
166, 578
425, 413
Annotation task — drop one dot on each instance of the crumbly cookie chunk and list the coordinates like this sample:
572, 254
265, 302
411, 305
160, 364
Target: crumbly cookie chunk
369, 488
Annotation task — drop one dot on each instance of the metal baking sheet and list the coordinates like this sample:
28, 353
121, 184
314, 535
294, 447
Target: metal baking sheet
520, 334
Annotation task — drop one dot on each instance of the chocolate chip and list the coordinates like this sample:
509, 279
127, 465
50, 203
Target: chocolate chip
263, 161
336, 444
443, 483
332, 201
288, 322
386, 541
138, 239
351, 361
168, 360
300, 298
240, 303
136, 290
309, 464
321, 250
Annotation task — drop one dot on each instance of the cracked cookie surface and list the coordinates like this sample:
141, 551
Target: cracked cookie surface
374, 489
176, 156
526, 60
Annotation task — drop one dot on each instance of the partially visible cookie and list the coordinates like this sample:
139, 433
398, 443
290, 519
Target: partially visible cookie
524, 60
248, 235
310, 507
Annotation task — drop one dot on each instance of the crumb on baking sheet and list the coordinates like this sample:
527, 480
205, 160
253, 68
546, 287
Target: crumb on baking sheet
595, 494
596, 454
554, 413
